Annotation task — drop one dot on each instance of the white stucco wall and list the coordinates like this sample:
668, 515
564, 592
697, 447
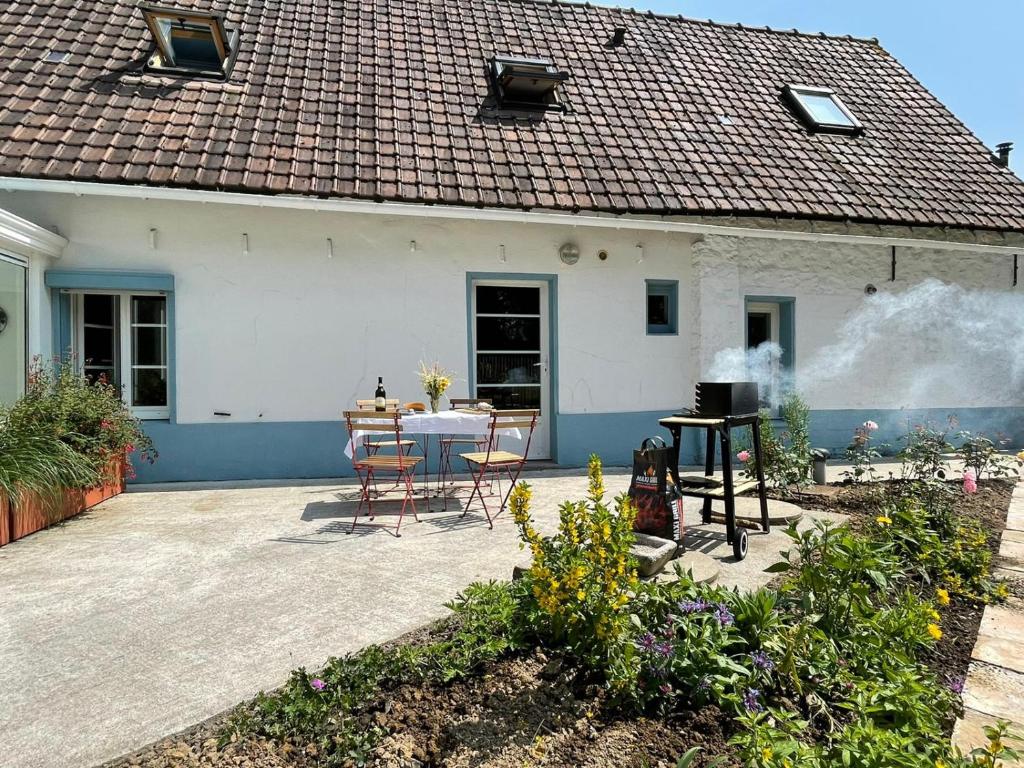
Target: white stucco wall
287, 334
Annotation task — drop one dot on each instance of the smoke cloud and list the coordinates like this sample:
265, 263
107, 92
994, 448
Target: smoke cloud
935, 344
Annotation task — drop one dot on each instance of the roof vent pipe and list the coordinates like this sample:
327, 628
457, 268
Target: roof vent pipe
1003, 153
618, 37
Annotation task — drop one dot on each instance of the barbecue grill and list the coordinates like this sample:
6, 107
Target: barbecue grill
720, 406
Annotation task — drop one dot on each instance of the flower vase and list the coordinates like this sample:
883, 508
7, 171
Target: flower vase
435, 403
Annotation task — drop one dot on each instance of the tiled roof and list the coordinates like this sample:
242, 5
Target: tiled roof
389, 100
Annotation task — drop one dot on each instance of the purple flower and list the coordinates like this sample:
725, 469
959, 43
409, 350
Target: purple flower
647, 642
761, 661
724, 615
693, 606
704, 685
664, 649
751, 700
665, 688
318, 684
956, 685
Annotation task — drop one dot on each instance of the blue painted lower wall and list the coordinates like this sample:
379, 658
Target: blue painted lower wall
282, 450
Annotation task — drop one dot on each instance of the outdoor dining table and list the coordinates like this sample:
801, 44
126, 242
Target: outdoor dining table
453, 422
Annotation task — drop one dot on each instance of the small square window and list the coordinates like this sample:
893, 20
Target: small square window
662, 307
190, 41
821, 109
527, 83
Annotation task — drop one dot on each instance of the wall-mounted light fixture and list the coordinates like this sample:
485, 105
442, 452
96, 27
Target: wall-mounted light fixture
330, 248
152, 239
870, 290
639, 253
569, 253
245, 244
412, 246
501, 254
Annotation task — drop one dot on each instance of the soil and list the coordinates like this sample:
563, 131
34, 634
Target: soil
532, 711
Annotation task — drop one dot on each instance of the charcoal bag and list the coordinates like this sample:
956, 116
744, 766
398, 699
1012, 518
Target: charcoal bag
658, 503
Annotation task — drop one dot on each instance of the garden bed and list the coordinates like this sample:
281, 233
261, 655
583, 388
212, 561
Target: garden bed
750, 680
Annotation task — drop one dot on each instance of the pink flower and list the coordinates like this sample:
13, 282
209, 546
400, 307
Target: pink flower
743, 456
105, 424
318, 684
970, 482
870, 426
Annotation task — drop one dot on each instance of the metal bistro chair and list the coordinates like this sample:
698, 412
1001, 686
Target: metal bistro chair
494, 460
446, 442
373, 444
402, 465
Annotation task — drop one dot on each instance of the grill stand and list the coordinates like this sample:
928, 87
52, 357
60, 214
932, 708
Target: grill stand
722, 426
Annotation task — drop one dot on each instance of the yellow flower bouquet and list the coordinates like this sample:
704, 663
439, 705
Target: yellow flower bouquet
436, 381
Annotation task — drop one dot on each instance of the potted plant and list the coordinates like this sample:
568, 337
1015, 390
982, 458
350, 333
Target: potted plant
435, 381
86, 434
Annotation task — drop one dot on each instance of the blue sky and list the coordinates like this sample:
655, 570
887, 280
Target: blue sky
969, 54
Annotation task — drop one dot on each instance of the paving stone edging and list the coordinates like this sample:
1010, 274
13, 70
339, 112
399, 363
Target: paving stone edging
994, 688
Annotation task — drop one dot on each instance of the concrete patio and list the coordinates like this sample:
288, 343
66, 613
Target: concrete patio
167, 605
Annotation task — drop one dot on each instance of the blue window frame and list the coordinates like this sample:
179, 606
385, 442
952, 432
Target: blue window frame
662, 307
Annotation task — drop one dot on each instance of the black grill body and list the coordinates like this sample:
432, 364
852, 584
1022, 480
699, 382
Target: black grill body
734, 398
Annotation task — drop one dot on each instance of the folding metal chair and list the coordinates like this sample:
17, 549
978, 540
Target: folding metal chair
374, 444
402, 465
494, 460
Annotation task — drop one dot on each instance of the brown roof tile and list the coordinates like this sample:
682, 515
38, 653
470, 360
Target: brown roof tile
390, 100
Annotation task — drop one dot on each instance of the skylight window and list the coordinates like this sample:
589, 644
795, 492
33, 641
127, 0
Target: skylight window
190, 41
821, 109
527, 83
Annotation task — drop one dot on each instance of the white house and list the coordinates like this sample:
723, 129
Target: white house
245, 213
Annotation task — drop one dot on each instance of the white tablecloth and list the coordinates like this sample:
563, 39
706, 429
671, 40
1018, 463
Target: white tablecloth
442, 423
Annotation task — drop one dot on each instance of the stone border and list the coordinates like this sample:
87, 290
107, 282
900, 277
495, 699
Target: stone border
994, 688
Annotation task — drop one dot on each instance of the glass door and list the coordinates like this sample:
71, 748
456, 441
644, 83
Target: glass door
510, 353
13, 329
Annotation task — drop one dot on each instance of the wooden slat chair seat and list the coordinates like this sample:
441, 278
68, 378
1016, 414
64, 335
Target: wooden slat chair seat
400, 464
494, 460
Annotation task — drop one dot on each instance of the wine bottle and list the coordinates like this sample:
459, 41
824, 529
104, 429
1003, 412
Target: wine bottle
380, 401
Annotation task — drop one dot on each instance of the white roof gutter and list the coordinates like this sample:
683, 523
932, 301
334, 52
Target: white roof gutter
23, 238
607, 221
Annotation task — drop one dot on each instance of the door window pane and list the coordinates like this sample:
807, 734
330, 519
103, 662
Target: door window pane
508, 333
149, 387
149, 310
508, 369
149, 346
511, 397
507, 300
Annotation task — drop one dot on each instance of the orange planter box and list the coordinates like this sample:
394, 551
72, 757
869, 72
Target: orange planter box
5, 521
34, 512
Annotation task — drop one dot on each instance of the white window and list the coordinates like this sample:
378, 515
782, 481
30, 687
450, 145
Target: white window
122, 338
821, 109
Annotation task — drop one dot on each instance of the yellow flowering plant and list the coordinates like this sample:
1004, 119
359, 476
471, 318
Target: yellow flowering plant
582, 578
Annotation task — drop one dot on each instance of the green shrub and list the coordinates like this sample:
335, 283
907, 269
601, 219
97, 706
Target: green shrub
786, 458
581, 579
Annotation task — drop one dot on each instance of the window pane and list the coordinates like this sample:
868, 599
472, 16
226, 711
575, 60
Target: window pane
98, 347
657, 309
194, 46
508, 333
149, 310
149, 346
511, 397
824, 110
98, 310
149, 387
508, 369
502, 300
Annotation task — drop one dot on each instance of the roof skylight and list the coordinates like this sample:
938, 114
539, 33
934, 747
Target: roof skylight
821, 109
190, 41
527, 83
